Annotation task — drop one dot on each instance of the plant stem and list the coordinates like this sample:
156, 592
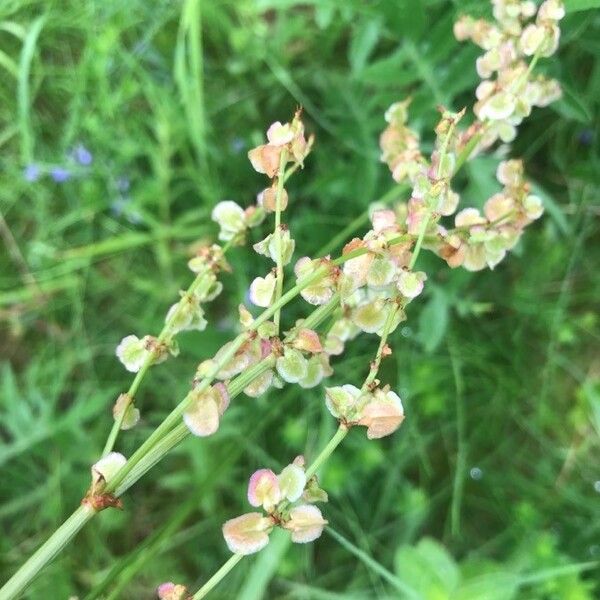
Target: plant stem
59, 539
333, 443
218, 576
277, 233
127, 476
164, 335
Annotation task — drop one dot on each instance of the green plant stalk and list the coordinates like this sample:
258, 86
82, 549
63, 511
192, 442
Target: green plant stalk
17, 583
236, 387
155, 452
164, 335
149, 360
277, 233
61, 537
234, 559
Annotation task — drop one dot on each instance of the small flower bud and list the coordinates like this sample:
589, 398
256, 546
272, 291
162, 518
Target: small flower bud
268, 199
171, 591
248, 533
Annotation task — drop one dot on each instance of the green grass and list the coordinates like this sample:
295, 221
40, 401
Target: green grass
498, 370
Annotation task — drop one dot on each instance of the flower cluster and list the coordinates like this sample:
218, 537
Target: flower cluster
509, 90
287, 500
480, 240
400, 145
185, 315
78, 157
285, 142
379, 410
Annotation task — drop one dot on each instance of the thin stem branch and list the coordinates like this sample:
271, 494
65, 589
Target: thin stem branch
218, 576
277, 232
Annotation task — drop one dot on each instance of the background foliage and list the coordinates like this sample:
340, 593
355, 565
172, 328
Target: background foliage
490, 489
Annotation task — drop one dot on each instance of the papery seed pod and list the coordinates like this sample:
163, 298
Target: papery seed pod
258, 386
268, 199
248, 533
265, 159
280, 135
382, 415
342, 400
264, 490
124, 404
262, 290
230, 218
132, 353
410, 284
292, 366
291, 482
371, 316
307, 340
204, 410
499, 206
533, 206
381, 272
306, 523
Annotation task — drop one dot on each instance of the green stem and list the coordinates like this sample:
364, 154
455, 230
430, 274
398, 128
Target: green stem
60, 538
334, 442
165, 335
218, 576
419, 243
277, 233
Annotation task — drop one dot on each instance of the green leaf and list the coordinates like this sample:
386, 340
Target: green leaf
433, 321
577, 5
363, 42
491, 586
428, 568
573, 106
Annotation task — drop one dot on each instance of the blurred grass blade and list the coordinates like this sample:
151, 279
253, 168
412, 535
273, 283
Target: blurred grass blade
23, 93
373, 565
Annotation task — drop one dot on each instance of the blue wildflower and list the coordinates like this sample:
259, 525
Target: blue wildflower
60, 174
82, 155
31, 173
